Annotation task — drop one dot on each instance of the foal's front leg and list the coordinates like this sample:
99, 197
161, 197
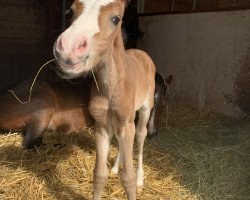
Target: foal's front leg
102, 140
125, 137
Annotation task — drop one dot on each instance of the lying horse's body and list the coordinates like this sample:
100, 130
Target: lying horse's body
58, 107
53, 106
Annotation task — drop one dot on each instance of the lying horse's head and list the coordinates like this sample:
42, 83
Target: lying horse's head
86, 43
161, 96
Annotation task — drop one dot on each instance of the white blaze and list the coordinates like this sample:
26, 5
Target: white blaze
79, 34
87, 22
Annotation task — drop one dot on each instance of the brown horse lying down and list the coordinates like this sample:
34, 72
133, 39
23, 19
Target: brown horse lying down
59, 107
53, 107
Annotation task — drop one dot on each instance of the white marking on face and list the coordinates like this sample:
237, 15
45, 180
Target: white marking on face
82, 29
87, 22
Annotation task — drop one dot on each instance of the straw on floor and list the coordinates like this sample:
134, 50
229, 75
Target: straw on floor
198, 155
62, 169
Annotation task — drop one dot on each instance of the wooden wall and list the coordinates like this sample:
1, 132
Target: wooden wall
24, 39
151, 6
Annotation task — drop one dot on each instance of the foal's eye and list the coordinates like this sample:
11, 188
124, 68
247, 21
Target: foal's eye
115, 20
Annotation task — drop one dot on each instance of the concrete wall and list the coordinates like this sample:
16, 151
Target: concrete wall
208, 54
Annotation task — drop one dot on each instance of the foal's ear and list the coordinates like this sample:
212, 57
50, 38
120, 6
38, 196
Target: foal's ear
169, 79
127, 2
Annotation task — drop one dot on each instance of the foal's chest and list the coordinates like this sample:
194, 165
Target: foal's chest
110, 114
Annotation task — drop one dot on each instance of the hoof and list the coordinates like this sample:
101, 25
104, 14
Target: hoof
139, 183
37, 142
139, 189
114, 171
112, 174
152, 135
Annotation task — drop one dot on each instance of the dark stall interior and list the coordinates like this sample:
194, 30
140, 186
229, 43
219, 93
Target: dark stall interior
28, 30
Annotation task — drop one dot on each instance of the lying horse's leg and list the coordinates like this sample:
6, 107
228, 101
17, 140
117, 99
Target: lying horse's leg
125, 137
141, 133
36, 127
33, 134
102, 140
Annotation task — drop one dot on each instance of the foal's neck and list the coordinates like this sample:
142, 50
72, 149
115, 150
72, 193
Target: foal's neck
110, 71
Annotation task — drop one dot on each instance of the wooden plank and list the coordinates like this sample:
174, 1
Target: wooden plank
26, 3
156, 6
22, 30
195, 11
12, 68
13, 2
22, 46
53, 23
21, 14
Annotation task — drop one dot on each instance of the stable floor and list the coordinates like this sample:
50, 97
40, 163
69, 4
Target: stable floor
196, 155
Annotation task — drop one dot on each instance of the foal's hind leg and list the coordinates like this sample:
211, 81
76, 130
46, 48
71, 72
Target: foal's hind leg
117, 163
141, 133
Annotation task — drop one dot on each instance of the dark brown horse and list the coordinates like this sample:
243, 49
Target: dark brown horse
59, 107
161, 95
53, 106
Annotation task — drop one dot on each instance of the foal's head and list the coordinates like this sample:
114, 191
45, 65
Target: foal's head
86, 42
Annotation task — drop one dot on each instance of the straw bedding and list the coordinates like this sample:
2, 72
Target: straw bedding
195, 157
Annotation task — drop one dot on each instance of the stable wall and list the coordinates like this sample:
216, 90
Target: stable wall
208, 55
23, 39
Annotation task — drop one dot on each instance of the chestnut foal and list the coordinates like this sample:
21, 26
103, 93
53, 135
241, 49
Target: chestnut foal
126, 82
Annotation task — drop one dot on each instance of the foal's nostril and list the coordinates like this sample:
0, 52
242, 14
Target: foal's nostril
81, 48
84, 44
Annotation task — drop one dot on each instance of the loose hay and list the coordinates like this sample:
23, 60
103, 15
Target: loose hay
63, 170
210, 151
199, 155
